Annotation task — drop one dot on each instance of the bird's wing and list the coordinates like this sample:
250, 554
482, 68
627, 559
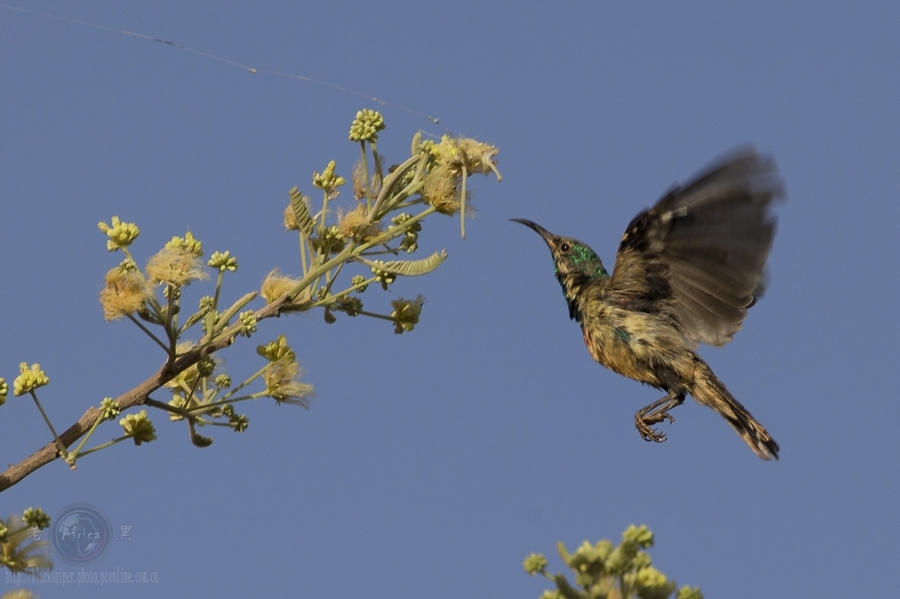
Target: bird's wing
698, 256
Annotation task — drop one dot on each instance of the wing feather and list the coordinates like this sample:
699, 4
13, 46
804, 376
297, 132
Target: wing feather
698, 256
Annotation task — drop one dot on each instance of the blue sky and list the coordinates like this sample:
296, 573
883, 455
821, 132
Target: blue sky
432, 463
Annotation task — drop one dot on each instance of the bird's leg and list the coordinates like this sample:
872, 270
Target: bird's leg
656, 413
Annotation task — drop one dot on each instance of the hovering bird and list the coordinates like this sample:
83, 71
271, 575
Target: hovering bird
686, 272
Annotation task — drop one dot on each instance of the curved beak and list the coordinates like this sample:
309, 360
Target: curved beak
546, 235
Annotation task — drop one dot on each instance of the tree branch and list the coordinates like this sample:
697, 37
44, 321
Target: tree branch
135, 397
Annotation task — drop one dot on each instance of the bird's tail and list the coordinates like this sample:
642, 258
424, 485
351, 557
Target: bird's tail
710, 391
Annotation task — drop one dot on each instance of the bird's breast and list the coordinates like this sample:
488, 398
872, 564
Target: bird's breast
635, 344
612, 346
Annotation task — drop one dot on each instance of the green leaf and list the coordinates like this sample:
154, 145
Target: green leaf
563, 553
565, 589
301, 213
408, 268
387, 198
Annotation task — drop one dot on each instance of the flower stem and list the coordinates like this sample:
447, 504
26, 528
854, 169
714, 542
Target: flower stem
59, 443
103, 446
148, 332
87, 436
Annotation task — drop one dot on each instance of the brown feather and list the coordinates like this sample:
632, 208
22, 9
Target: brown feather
699, 254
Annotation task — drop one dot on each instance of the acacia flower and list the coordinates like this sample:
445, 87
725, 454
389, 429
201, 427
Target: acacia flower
276, 350
19, 555
410, 241
248, 322
356, 224
120, 234
475, 156
238, 422
29, 379
441, 190
687, 592
188, 243
223, 261
352, 306
383, 276
125, 292
175, 266
535, 563
283, 384
109, 408
358, 280
223, 381
406, 313
277, 284
641, 535
35, 516
179, 402
652, 583
366, 125
138, 427
328, 181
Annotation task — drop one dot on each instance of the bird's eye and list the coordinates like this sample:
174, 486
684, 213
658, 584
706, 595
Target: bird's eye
565, 247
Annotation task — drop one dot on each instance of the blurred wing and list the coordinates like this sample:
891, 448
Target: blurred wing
698, 256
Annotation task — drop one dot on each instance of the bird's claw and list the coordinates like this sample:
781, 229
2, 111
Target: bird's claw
642, 422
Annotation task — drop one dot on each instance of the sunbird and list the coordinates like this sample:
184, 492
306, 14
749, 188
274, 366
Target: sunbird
687, 270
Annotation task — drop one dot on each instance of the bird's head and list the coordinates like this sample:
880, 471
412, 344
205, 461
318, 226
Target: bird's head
576, 264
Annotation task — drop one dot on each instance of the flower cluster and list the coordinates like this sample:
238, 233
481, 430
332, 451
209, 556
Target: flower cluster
328, 181
223, 261
432, 179
187, 243
410, 241
357, 224
29, 379
109, 408
138, 427
35, 516
406, 313
454, 159
276, 284
366, 125
282, 374
606, 570
175, 266
125, 291
120, 234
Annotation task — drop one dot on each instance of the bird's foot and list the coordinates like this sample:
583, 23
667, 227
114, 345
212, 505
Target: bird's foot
655, 413
643, 424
